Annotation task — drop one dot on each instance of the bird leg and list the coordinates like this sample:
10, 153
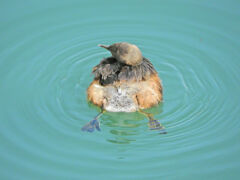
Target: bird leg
153, 123
93, 124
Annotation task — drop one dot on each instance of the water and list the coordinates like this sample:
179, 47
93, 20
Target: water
47, 51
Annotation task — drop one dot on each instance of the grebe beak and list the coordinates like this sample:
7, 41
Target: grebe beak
104, 46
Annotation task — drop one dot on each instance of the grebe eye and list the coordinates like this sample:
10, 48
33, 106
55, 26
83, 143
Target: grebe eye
113, 48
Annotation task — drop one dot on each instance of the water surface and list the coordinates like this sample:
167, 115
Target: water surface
47, 51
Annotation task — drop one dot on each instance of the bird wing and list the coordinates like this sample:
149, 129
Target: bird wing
107, 70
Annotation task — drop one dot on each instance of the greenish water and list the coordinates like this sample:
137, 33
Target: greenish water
47, 51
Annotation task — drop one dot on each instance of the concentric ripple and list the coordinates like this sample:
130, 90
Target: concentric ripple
46, 58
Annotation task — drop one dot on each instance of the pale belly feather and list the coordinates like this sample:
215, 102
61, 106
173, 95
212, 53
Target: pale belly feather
119, 99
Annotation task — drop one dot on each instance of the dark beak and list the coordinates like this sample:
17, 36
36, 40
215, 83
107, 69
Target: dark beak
104, 46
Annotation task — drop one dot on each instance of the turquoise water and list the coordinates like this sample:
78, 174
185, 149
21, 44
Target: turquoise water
47, 51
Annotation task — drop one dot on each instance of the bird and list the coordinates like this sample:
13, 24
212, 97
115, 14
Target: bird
124, 82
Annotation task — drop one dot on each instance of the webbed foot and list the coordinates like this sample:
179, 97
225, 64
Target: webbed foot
91, 126
156, 125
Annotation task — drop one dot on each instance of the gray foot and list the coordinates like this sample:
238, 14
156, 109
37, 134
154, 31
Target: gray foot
156, 125
91, 126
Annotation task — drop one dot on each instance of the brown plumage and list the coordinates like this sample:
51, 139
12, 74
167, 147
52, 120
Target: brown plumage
127, 81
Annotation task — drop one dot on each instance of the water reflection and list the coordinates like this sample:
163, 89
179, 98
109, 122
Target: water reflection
126, 127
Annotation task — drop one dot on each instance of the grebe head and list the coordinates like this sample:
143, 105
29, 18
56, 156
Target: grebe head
125, 53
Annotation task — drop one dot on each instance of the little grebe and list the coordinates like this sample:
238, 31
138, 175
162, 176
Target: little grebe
124, 82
